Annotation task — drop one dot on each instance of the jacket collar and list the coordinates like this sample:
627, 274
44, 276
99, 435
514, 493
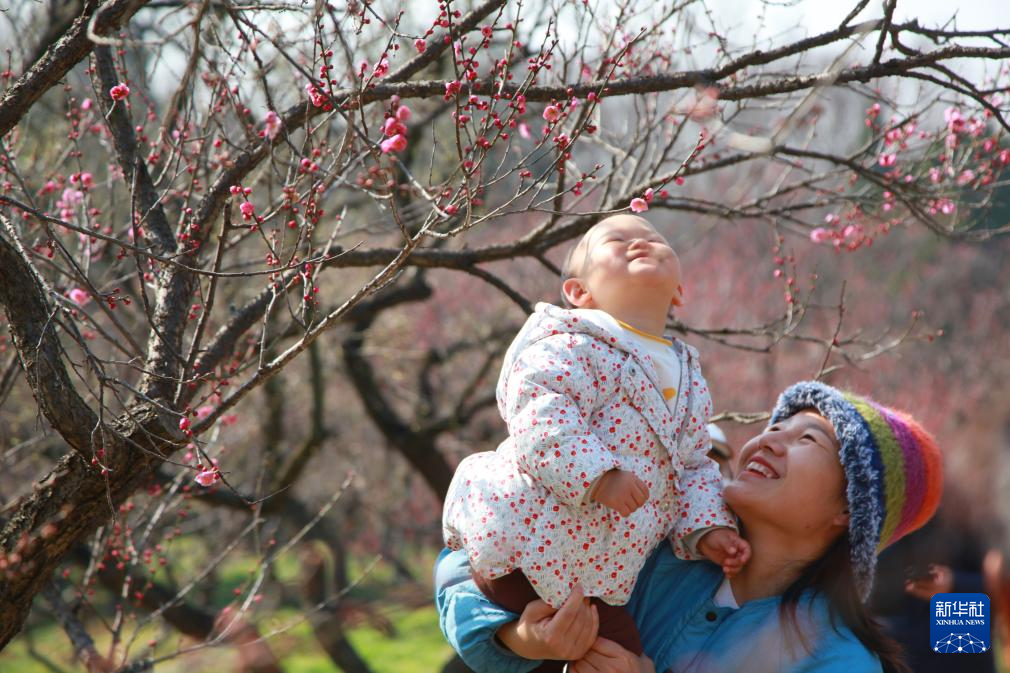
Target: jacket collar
548, 320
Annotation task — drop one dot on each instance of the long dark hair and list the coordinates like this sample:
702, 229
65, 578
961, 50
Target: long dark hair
832, 576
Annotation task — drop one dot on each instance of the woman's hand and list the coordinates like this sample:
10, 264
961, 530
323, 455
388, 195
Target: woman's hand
545, 633
606, 656
940, 580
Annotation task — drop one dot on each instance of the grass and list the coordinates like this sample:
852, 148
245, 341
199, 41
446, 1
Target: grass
415, 646
418, 646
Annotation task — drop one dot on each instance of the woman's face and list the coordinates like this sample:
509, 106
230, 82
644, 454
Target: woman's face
790, 477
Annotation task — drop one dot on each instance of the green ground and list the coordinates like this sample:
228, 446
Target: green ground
417, 647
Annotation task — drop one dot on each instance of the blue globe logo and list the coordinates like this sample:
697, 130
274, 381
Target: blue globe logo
960, 642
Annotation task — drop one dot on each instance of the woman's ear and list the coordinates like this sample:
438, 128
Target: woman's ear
576, 292
842, 519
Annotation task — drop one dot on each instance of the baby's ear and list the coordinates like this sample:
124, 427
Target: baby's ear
576, 292
678, 296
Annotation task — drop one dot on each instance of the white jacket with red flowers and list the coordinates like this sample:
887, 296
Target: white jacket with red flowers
580, 400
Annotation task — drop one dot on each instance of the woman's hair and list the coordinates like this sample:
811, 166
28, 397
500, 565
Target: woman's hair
832, 576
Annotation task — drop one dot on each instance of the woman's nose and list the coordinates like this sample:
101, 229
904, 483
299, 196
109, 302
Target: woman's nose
774, 442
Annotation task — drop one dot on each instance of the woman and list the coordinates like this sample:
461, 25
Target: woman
831, 481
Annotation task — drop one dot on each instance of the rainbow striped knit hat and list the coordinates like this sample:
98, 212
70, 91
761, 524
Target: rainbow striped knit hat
892, 465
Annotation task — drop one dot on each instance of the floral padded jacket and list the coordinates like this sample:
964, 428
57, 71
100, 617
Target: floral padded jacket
580, 399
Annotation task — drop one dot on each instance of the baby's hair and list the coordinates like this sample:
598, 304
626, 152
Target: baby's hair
566, 268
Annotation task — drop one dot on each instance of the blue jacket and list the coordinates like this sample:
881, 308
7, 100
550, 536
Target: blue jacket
681, 628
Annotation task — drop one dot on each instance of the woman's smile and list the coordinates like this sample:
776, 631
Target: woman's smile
760, 467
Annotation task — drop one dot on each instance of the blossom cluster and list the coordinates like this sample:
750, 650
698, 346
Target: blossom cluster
394, 128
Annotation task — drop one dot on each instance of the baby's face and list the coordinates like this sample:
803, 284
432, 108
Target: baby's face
624, 255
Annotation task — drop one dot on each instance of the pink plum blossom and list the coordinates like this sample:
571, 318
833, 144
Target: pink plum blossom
119, 92
69, 200
552, 113
888, 160
393, 127
248, 210
79, 296
397, 143
207, 477
271, 124
820, 235
639, 205
420, 45
203, 412
452, 88
318, 97
403, 113
955, 122
524, 130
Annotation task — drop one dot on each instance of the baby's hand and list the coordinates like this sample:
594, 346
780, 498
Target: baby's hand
621, 491
725, 547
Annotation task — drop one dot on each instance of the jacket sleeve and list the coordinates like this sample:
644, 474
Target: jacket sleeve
469, 620
700, 503
548, 402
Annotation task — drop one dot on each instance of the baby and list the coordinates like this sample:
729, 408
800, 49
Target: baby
606, 454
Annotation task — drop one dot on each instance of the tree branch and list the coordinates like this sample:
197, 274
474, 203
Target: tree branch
33, 327
61, 57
